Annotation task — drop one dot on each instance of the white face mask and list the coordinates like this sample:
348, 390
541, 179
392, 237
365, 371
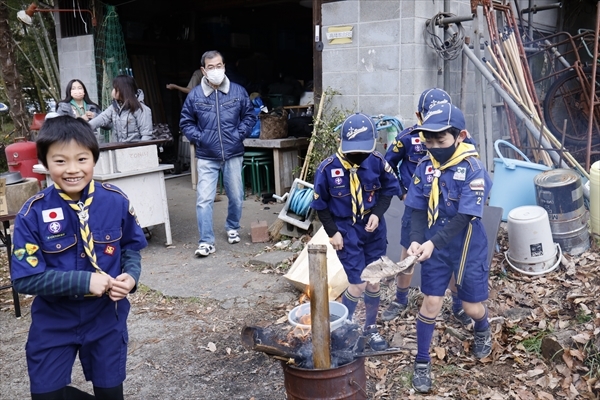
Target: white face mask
215, 76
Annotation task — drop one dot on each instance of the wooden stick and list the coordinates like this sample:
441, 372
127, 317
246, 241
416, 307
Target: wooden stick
319, 305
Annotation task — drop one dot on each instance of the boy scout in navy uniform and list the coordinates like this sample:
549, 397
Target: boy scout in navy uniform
447, 193
77, 247
353, 189
407, 150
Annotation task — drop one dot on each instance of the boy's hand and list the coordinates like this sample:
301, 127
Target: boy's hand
121, 287
337, 241
423, 251
373, 223
100, 284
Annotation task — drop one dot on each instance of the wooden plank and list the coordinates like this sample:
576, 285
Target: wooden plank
319, 305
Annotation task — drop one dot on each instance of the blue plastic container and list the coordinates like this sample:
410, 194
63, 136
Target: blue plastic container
513, 181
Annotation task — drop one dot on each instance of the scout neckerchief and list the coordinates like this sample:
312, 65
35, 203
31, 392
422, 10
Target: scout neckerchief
463, 150
358, 207
82, 210
79, 110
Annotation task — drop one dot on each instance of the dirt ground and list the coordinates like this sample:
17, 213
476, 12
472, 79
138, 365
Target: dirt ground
190, 348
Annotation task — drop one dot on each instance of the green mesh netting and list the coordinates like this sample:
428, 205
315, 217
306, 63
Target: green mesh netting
111, 56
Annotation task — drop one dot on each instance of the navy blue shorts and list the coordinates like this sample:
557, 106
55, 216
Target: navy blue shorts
466, 256
59, 330
360, 247
405, 230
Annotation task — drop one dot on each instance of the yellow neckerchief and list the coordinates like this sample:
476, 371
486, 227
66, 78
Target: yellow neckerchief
82, 210
358, 207
463, 151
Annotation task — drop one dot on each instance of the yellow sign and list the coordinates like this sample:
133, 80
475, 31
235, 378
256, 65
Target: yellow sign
339, 34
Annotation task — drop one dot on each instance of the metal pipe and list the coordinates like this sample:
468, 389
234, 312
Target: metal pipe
443, 21
592, 92
537, 8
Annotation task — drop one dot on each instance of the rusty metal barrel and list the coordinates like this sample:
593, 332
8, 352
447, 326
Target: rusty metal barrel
560, 193
346, 382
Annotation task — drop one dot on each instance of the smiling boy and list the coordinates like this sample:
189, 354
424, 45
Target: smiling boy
77, 247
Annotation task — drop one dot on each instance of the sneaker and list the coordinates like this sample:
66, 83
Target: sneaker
421, 380
204, 249
233, 236
393, 310
482, 344
374, 339
462, 317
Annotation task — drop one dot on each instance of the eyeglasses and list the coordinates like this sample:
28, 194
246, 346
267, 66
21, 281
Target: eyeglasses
213, 67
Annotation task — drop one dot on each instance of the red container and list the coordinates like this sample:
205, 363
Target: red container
21, 157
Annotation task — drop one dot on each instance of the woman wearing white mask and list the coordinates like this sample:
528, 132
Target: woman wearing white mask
216, 117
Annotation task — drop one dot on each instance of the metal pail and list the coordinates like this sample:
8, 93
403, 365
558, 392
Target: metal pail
531, 250
346, 382
560, 193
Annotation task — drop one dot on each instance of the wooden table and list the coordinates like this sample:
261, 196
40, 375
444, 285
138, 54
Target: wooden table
6, 239
286, 158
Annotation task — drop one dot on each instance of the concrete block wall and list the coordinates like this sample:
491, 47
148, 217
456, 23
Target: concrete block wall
76, 60
388, 64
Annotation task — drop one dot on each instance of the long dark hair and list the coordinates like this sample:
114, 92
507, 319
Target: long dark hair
127, 89
86, 96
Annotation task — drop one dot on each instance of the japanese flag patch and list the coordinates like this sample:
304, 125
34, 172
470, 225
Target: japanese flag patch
53, 214
415, 140
335, 172
429, 170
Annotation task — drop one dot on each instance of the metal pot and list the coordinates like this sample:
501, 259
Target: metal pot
12, 177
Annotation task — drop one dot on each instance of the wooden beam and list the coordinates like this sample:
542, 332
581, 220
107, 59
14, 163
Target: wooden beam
319, 305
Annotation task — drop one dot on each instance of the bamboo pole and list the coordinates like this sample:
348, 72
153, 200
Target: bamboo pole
316, 122
319, 305
50, 50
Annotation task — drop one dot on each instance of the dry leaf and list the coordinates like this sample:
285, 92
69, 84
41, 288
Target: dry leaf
440, 352
212, 347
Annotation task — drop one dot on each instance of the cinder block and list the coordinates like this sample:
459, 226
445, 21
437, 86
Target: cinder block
259, 231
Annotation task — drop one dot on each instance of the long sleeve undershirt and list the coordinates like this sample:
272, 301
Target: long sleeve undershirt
383, 203
444, 236
71, 283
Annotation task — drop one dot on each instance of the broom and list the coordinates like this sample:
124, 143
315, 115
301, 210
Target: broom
278, 224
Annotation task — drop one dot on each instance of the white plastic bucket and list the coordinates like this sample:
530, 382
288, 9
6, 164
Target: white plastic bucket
531, 250
595, 198
336, 310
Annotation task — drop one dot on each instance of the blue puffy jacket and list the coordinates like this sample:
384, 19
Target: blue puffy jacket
217, 121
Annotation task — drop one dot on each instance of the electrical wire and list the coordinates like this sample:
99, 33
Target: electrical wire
447, 49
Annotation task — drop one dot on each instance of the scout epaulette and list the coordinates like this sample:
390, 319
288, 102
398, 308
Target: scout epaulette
27, 206
113, 188
325, 163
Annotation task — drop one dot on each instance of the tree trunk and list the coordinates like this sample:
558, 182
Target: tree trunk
11, 77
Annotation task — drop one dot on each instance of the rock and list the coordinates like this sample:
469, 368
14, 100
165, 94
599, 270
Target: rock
18, 193
554, 345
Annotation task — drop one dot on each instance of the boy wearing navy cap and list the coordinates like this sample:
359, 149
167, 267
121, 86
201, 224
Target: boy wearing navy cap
403, 156
448, 191
77, 248
353, 189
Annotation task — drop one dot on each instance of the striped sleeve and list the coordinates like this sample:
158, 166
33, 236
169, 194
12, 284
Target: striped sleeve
55, 283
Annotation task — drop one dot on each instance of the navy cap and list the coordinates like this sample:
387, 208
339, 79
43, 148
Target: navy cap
431, 97
358, 134
441, 117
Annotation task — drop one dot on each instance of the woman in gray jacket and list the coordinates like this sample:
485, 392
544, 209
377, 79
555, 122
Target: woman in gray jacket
128, 117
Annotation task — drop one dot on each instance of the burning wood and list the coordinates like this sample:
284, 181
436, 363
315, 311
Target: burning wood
347, 344
384, 267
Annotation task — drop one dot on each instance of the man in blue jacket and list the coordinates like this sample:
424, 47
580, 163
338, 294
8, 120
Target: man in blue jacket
216, 117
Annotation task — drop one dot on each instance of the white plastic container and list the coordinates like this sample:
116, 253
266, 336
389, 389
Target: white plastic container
595, 199
335, 309
531, 250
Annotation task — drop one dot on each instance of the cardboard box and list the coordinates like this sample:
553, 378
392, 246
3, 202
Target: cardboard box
136, 158
3, 203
